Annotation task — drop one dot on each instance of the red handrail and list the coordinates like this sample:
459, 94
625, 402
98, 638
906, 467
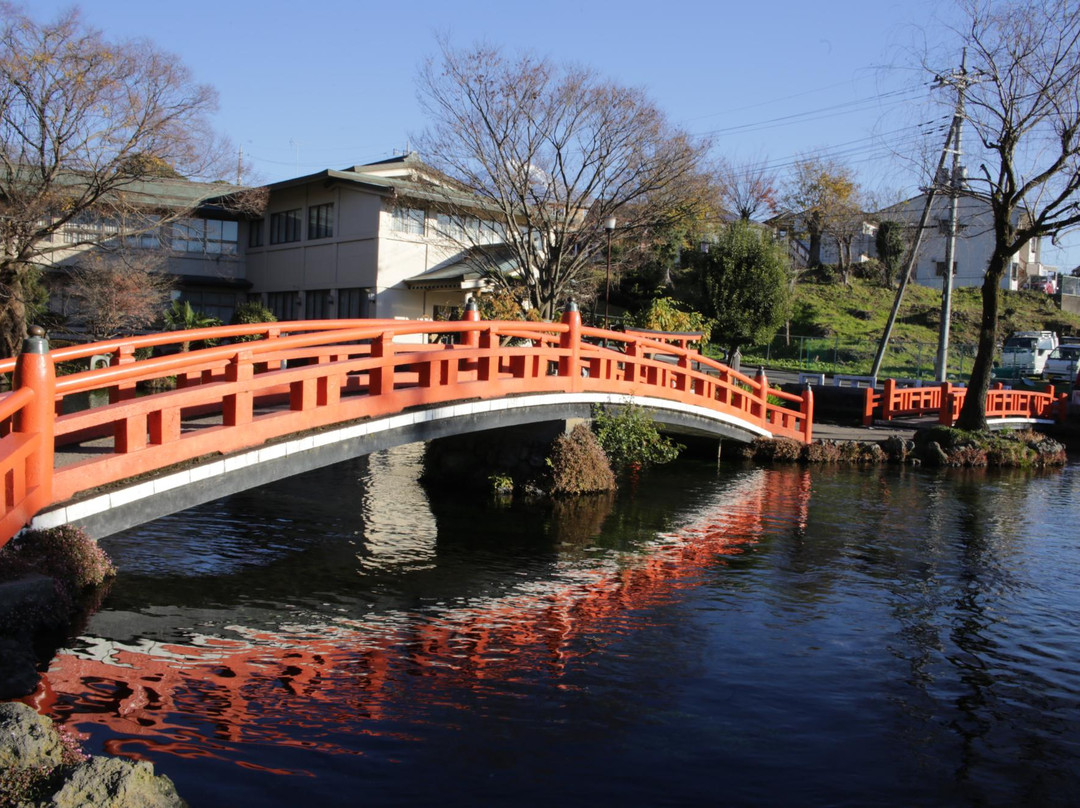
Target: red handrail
309, 375
946, 400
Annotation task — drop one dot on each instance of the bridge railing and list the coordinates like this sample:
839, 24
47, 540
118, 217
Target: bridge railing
296, 378
946, 400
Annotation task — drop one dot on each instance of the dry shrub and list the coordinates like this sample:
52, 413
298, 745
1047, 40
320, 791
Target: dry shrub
774, 449
578, 464
66, 553
845, 451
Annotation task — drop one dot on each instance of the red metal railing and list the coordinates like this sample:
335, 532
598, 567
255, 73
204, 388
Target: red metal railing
946, 401
303, 376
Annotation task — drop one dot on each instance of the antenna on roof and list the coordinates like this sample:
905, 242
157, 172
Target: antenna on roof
296, 145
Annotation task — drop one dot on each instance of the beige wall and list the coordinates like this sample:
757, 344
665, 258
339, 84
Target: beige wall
365, 252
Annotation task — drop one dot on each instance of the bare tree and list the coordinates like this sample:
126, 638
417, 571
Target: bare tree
87, 128
845, 222
747, 189
548, 153
820, 194
1022, 99
119, 293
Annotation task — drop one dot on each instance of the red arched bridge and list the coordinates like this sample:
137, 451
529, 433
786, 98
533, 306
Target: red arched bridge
258, 402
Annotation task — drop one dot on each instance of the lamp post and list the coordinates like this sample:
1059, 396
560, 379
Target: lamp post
609, 226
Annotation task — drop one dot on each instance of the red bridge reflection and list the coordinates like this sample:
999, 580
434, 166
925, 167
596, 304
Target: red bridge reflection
210, 697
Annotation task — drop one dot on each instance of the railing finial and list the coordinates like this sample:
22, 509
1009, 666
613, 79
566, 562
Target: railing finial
35, 342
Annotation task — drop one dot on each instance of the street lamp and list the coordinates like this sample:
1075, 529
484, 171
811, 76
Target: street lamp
609, 226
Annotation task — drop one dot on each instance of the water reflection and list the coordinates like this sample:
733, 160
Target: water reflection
211, 694
915, 632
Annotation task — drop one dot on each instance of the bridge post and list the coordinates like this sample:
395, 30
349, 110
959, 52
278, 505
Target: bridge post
381, 378
472, 315
763, 393
888, 399
125, 391
34, 369
570, 340
238, 408
808, 413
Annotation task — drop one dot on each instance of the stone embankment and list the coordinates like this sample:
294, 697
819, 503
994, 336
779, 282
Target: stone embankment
935, 446
53, 577
42, 766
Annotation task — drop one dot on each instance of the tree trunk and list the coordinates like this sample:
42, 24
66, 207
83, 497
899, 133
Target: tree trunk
814, 252
973, 414
12, 312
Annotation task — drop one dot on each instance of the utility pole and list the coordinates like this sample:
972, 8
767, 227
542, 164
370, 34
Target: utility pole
910, 264
961, 80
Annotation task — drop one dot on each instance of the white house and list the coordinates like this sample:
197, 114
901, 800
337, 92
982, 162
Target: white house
974, 243
368, 241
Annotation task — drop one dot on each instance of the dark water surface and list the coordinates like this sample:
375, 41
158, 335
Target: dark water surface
747, 636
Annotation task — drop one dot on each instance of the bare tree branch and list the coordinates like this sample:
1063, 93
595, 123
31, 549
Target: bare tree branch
549, 153
87, 127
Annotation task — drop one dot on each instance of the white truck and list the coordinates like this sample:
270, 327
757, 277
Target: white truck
1025, 352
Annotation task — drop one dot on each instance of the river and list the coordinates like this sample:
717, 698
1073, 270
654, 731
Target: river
739, 636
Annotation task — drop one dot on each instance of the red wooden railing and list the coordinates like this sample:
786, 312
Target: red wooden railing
946, 400
301, 376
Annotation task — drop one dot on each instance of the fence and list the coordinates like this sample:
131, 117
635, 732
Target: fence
945, 400
903, 359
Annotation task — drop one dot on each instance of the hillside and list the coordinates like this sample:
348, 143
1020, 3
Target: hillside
837, 328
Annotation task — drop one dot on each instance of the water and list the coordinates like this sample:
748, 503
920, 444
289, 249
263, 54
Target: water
745, 636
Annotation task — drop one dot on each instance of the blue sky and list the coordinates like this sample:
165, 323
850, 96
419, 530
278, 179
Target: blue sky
331, 83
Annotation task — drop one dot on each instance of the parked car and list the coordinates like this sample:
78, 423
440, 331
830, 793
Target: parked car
1063, 363
1025, 352
1038, 283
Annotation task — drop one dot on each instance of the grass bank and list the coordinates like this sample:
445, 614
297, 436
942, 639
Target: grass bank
836, 328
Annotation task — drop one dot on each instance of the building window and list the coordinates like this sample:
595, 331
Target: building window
320, 222
285, 226
285, 305
939, 268
943, 227
255, 233
86, 227
213, 304
350, 303
221, 237
408, 220
354, 303
208, 236
148, 236
448, 227
319, 303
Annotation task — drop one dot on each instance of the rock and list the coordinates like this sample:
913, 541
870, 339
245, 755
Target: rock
18, 669
27, 739
898, 449
934, 455
32, 748
31, 604
115, 783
